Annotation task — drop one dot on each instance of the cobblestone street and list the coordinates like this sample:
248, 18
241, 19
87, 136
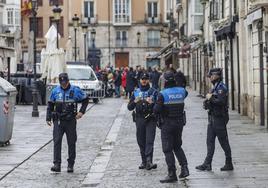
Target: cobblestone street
108, 155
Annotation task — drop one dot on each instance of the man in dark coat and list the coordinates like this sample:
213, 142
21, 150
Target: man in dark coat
131, 82
117, 83
180, 79
155, 76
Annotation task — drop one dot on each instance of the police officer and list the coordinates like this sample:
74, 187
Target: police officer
142, 101
62, 110
217, 105
170, 105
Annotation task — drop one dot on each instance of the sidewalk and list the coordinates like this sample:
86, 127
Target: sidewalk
249, 145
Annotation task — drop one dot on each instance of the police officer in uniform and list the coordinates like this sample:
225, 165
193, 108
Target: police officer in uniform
217, 105
170, 106
142, 102
62, 111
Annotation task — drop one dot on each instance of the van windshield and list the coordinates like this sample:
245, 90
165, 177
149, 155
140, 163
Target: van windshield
81, 74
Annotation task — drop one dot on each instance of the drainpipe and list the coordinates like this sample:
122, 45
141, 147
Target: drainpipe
262, 117
109, 31
231, 37
238, 75
266, 51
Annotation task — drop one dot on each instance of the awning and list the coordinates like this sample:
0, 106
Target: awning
225, 31
162, 51
7, 51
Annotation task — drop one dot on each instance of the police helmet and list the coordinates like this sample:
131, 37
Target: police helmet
145, 76
215, 71
63, 78
169, 76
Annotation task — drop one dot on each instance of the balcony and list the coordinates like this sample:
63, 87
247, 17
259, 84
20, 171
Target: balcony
153, 19
91, 20
122, 20
258, 3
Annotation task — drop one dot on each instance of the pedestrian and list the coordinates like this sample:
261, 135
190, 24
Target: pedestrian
62, 111
124, 80
161, 82
117, 83
180, 79
170, 106
142, 101
131, 82
155, 76
217, 105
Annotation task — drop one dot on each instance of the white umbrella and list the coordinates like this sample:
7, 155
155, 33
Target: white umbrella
29, 64
51, 37
69, 50
17, 37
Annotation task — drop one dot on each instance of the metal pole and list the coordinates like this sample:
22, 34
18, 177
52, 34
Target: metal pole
266, 41
85, 47
35, 112
8, 69
232, 73
75, 52
238, 74
109, 31
262, 117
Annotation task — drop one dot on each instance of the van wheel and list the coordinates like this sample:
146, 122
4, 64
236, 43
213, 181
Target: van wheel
96, 101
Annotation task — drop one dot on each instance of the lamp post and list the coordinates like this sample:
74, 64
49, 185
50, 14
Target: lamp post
35, 112
75, 20
85, 30
93, 36
138, 37
56, 11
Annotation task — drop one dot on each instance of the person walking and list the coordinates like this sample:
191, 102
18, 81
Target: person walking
62, 111
217, 105
131, 82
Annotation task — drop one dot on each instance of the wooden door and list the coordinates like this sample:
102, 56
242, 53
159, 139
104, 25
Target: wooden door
121, 59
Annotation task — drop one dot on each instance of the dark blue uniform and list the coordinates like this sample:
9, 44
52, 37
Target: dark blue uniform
145, 121
171, 107
218, 118
62, 109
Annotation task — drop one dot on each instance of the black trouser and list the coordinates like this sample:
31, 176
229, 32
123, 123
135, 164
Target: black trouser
171, 134
68, 127
217, 128
145, 137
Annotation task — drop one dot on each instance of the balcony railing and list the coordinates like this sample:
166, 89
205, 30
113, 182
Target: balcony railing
121, 43
259, 3
91, 20
122, 20
156, 19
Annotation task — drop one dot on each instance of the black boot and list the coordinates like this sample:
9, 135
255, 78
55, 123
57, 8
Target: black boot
170, 178
150, 165
142, 165
56, 168
204, 167
184, 172
70, 168
228, 165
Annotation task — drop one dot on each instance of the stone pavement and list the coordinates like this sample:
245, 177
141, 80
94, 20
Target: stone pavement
108, 155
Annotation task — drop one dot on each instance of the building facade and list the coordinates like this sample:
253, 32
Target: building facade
127, 31
233, 36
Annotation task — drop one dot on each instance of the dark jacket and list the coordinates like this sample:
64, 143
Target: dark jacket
118, 79
180, 79
131, 81
155, 76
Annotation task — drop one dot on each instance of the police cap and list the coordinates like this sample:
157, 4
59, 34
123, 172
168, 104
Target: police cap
145, 76
215, 71
169, 76
63, 78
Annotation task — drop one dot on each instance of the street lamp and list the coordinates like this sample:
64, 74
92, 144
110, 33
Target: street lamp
93, 36
75, 20
56, 12
85, 30
138, 37
35, 112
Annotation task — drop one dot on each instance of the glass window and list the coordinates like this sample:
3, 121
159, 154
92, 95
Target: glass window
89, 9
39, 23
81, 74
121, 11
198, 21
153, 38
10, 16
198, 7
17, 18
121, 38
169, 8
152, 9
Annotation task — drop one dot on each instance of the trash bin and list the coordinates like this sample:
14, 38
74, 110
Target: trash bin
7, 107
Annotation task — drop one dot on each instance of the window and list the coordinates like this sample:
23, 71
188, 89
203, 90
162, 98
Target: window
55, 2
89, 9
122, 11
152, 9
121, 38
169, 8
198, 21
17, 18
61, 25
10, 16
39, 23
197, 16
217, 9
153, 38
